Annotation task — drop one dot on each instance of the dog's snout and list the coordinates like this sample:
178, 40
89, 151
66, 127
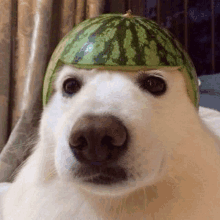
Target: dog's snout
98, 140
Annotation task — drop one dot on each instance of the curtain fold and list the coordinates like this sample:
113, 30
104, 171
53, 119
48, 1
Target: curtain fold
23, 37
67, 16
5, 54
94, 8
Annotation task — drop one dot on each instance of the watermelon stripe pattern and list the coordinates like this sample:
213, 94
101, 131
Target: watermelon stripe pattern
116, 40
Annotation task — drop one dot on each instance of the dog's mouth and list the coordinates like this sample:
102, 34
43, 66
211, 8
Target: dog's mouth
103, 176
103, 179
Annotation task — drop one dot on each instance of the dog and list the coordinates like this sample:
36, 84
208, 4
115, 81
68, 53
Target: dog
119, 145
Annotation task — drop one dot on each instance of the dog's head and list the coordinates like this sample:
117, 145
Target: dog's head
113, 132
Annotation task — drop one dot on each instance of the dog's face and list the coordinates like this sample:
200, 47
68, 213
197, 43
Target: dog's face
112, 132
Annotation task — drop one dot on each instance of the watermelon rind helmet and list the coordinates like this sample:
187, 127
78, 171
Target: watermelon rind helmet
117, 41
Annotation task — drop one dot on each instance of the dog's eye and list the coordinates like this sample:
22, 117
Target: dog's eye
155, 85
71, 86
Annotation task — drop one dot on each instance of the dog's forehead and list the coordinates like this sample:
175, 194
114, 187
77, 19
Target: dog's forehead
164, 72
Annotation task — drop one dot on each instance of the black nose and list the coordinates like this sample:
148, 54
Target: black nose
98, 140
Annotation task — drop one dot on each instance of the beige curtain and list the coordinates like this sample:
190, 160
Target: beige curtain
29, 32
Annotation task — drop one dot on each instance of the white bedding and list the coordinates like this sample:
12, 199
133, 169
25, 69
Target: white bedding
212, 118
210, 101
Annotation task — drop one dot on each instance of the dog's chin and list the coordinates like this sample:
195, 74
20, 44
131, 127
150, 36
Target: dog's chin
104, 175
108, 181
105, 186
103, 180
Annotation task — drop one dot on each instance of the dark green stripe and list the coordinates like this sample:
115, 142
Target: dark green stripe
80, 33
169, 38
179, 47
98, 59
92, 39
160, 49
120, 33
139, 58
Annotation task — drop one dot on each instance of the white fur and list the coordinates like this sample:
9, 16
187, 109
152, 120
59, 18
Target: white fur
172, 162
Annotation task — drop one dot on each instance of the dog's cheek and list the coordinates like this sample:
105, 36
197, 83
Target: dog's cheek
64, 159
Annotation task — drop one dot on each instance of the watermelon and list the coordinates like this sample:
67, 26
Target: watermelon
121, 42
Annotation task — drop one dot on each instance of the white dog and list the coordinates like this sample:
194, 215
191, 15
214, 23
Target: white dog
117, 145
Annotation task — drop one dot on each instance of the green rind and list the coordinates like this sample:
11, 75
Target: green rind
113, 40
